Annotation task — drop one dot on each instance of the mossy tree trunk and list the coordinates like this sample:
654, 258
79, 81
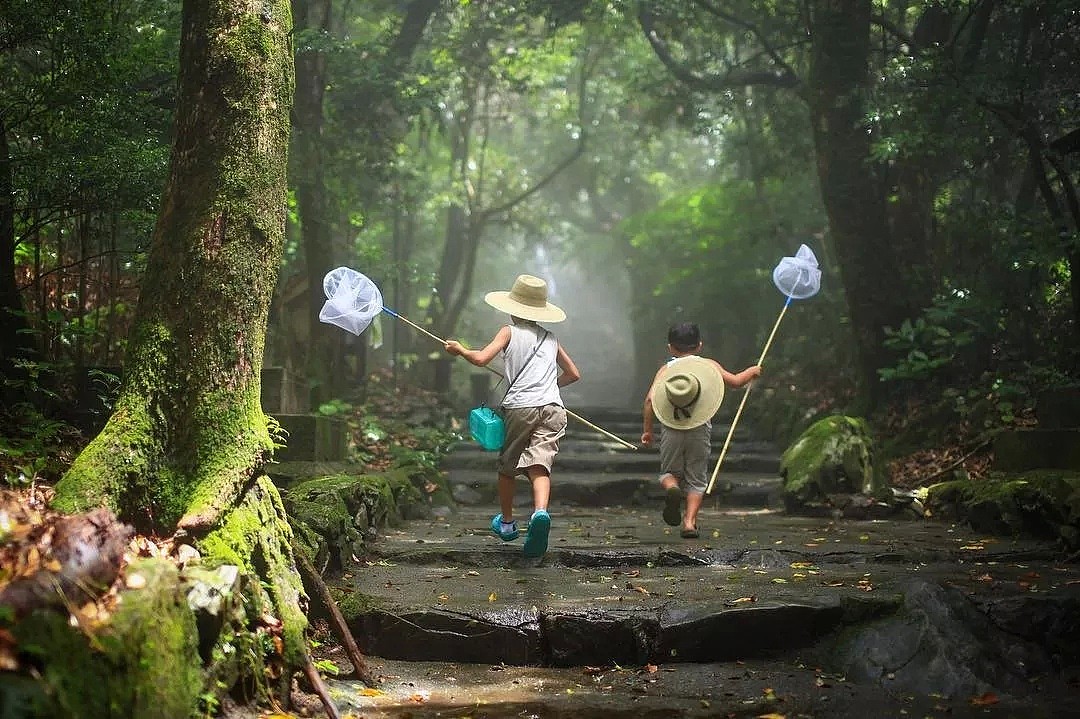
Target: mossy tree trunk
188, 434
184, 447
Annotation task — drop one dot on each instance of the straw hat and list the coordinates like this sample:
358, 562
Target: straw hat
527, 299
687, 392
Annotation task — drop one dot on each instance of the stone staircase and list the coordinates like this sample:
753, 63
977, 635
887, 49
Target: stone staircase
622, 617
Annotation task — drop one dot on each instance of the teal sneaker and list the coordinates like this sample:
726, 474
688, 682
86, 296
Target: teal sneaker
536, 539
496, 528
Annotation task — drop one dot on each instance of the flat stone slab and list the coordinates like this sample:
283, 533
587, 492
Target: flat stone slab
621, 587
743, 690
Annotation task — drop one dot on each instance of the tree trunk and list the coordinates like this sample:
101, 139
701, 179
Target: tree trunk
13, 341
324, 362
188, 434
850, 189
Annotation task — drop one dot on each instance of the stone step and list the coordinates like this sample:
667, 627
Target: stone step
743, 489
626, 462
572, 444
619, 587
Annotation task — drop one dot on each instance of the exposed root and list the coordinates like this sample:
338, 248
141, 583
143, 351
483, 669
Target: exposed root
320, 688
337, 621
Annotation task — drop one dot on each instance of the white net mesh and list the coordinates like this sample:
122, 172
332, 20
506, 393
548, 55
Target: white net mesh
352, 300
798, 277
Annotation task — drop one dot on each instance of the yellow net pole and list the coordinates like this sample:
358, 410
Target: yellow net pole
742, 403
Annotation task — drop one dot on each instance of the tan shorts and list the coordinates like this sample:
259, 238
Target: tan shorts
532, 438
684, 454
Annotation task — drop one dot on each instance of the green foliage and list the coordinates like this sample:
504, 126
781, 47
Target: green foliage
933, 341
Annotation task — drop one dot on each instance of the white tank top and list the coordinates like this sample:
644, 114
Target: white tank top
536, 385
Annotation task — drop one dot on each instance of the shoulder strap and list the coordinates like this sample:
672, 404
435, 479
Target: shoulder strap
520, 371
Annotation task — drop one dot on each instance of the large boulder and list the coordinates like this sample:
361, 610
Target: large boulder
832, 461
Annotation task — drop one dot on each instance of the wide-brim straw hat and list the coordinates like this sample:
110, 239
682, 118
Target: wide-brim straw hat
688, 392
527, 299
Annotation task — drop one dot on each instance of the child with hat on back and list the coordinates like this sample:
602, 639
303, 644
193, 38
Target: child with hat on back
685, 394
536, 366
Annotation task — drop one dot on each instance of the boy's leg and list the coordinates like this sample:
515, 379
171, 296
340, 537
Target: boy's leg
697, 467
507, 485
541, 486
671, 460
549, 429
693, 506
536, 540
673, 495
503, 524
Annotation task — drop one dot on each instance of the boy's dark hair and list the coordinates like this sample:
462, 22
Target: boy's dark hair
684, 336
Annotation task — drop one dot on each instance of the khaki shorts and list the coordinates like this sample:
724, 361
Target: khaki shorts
532, 438
684, 454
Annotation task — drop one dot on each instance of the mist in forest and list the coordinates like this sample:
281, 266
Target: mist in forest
597, 333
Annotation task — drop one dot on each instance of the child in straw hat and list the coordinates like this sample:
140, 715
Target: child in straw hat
685, 394
536, 366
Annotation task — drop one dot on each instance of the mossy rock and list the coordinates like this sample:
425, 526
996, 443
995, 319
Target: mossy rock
144, 662
347, 510
1039, 503
834, 456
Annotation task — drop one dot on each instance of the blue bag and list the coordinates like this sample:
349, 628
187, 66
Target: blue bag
487, 428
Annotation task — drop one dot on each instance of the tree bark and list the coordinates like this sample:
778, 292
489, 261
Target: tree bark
188, 434
850, 189
324, 362
13, 341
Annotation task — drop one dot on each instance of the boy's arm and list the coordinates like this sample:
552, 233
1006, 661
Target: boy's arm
742, 378
647, 415
481, 357
569, 373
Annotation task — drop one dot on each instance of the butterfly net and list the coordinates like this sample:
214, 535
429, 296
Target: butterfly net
352, 300
798, 277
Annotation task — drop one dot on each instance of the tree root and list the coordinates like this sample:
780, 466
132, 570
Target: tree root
320, 688
337, 621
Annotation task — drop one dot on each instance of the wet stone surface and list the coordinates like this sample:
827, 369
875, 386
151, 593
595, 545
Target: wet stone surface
764, 614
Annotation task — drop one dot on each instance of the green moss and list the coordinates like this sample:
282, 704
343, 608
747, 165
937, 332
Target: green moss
354, 604
834, 455
143, 663
256, 537
1041, 503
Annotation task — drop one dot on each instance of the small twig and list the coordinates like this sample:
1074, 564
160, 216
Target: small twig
320, 687
337, 620
951, 467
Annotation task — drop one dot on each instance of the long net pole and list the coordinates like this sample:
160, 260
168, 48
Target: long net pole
742, 403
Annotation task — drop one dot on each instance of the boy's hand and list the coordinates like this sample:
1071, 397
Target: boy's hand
646, 438
453, 347
754, 371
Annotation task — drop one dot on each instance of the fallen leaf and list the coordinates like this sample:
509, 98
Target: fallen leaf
371, 692
651, 668
743, 600
492, 597
984, 700
768, 694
